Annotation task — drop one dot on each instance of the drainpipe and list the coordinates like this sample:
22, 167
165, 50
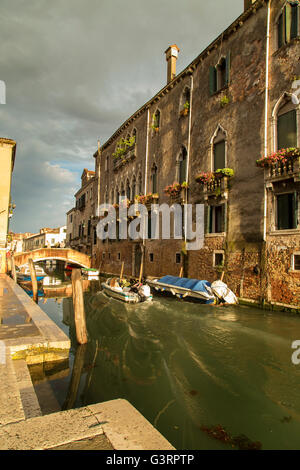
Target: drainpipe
147, 151
145, 185
184, 263
188, 150
266, 140
189, 136
99, 155
266, 112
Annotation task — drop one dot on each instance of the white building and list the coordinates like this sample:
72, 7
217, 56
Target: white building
47, 238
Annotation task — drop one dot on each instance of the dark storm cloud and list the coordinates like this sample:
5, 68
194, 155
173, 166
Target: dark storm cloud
74, 71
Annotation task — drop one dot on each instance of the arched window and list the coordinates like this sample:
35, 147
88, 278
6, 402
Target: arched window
154, 179
182, 165
219, 149
185, 101
156, 120
106, 162
288, 23
133, 188
286, 123
219, 75
140, 184
128, 192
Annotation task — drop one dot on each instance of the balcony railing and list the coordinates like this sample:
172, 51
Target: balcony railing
281, 171
129, 155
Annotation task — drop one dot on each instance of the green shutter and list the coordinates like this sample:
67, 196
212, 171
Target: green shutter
287, 130
294, 25
207, 218
228, 68
280, 31
295, 210
212, 80
288, 22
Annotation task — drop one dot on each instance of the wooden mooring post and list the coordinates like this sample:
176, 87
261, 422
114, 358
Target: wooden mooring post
34, 282
78, 303
122, 270
13, 268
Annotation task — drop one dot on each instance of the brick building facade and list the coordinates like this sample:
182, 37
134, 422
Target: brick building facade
232, 105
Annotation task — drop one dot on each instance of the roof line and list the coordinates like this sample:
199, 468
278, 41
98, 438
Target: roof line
187, 71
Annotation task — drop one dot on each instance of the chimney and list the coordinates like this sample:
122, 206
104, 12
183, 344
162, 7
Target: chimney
248, 4
171, 57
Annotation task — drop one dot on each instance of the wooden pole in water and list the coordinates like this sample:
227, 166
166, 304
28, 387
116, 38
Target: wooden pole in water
181, 272
78, 304
13, 268
122, 269
141, 268
33, 279
222, 275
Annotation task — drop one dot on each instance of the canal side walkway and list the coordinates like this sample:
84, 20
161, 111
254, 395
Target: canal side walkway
29, 336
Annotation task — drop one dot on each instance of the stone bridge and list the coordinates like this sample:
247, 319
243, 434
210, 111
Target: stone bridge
62, 254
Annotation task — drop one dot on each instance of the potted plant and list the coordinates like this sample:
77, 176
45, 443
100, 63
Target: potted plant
185, 110
280, 157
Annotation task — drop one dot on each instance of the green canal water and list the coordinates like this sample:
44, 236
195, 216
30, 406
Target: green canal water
187, 368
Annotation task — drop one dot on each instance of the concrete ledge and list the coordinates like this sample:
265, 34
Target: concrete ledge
51, 344
274, 306
126, 428
120, 424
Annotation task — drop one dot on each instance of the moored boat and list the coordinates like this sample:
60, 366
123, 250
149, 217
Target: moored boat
113, 289
90, 272
24, 275
194, 289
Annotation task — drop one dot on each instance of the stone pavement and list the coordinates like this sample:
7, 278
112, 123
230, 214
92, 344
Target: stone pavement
28, 336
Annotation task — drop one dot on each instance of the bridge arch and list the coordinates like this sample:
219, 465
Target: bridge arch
61, 254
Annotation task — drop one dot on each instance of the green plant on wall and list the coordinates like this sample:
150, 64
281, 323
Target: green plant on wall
224, 101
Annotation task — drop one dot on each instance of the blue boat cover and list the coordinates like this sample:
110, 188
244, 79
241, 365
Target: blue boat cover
192, 284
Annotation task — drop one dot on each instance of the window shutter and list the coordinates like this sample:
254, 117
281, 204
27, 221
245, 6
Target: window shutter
228, 68
212, 80
294, 25
288, 22
295, 209
223, 222
207, 217
280, 31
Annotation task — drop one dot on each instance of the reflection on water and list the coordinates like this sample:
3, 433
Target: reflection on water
188, 368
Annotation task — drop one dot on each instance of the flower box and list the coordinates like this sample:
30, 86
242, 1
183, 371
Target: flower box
282, 156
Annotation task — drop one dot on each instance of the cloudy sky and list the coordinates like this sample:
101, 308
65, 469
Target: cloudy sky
74, 71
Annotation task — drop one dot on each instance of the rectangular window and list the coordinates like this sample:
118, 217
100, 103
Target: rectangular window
287, 211
95, 236
178, 258
119, 256
219, 155
296, 262
151, 257
218, 258
287, 130
103, 255
216, 219
288, 22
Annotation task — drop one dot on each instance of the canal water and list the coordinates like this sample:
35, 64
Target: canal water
206, 377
